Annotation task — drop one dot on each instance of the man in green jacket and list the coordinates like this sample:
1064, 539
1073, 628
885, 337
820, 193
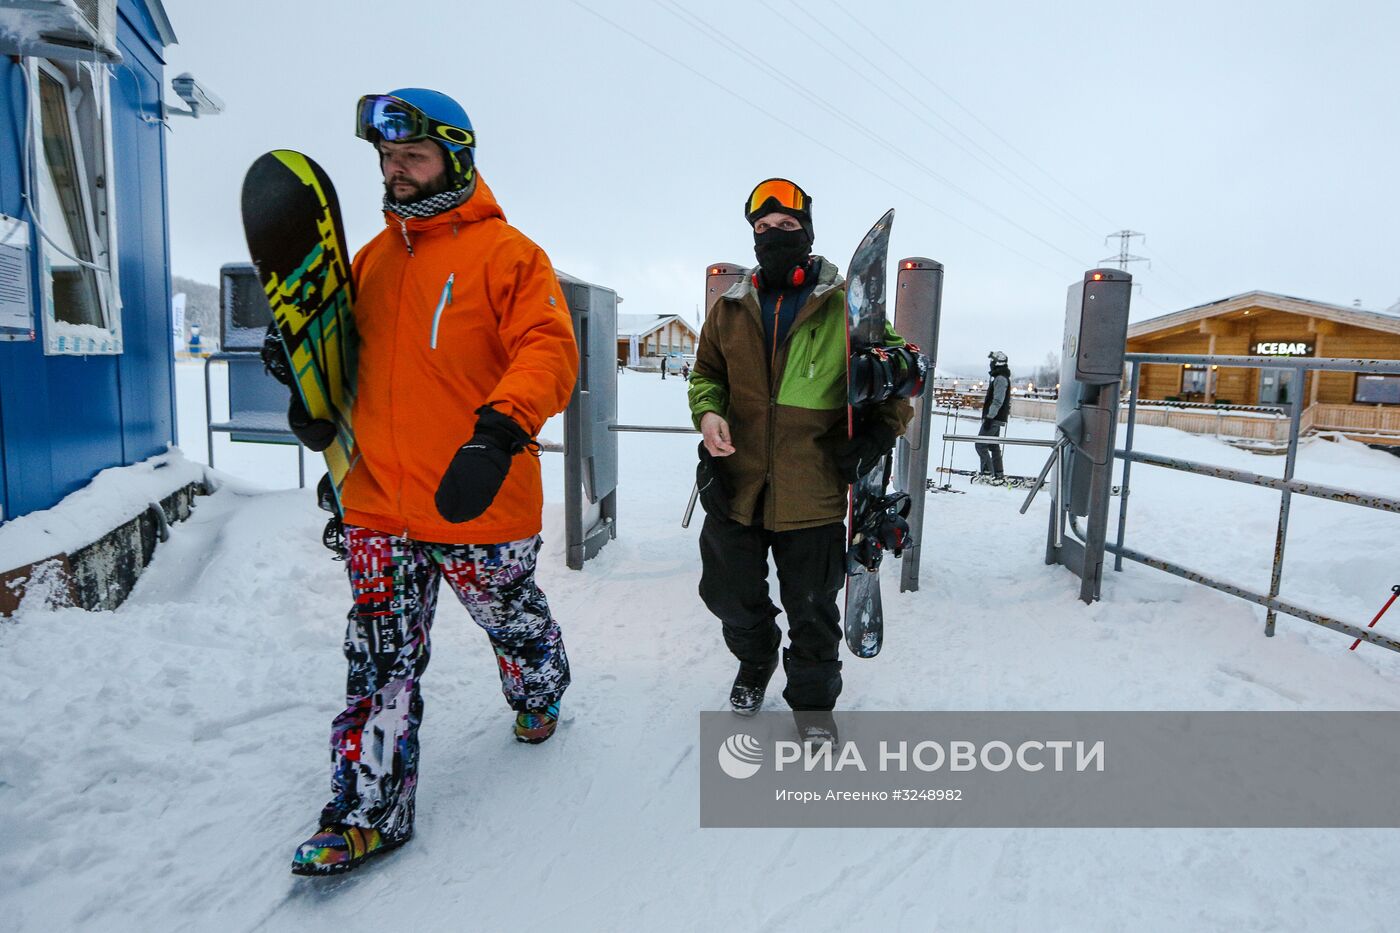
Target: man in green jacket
768, 392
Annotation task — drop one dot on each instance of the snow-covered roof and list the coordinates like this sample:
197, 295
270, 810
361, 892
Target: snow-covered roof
639, 325
44, 28
162, 21
1387, 321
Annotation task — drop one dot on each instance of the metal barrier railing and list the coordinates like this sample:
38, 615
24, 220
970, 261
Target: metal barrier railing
1287, 486
270, 427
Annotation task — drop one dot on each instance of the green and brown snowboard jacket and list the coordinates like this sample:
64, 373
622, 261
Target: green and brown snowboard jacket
788, 424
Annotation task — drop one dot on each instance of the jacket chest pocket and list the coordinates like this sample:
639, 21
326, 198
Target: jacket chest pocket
822, 359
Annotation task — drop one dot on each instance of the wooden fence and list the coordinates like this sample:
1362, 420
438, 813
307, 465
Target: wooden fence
1370, 420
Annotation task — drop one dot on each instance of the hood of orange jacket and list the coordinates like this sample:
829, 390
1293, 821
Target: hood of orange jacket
453, 311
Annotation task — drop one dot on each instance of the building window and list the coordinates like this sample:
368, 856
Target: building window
71, 192
1377, 390
1193, 380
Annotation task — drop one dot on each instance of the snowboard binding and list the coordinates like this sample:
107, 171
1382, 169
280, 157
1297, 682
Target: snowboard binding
885, 528
880, 373
333, 535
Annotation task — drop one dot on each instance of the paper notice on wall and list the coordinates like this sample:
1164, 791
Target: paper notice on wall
16, 291
177, 321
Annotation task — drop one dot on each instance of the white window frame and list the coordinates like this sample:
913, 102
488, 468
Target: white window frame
99, 205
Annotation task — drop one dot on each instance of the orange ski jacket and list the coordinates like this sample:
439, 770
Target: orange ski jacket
454, 312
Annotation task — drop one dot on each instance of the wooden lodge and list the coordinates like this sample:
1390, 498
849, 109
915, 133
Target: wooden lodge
1257, 323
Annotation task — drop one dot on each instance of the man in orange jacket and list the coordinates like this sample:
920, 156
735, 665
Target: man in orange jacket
466, 349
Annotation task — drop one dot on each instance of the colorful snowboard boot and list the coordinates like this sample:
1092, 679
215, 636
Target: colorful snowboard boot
338, 848
534, 726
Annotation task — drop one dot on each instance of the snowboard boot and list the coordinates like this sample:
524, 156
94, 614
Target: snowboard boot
815, 728
746, 696
536, 725
338, 848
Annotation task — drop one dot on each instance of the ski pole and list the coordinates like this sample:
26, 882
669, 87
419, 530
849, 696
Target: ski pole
1394, 592
947, 416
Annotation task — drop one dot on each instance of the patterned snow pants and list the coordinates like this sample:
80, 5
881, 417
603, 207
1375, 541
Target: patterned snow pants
374, 742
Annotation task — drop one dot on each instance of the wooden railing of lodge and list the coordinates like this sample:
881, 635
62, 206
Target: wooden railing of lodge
1255, 423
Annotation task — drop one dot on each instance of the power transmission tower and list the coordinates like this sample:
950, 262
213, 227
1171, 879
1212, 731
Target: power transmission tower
1124, 257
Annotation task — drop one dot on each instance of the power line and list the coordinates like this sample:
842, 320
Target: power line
913, 99
1180, 277
980, 122
813, 139
734, 47
1006, 172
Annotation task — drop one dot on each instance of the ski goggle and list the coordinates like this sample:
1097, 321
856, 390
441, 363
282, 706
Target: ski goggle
380, 116
784, 192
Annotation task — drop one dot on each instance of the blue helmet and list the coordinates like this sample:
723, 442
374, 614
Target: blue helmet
412, 113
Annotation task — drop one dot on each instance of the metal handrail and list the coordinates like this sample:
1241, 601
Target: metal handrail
226, 427
1286, 486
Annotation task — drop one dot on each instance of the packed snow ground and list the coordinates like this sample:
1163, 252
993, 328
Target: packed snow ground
162, 761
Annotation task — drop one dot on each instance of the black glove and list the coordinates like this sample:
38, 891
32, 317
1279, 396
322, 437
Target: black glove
714, 491
480, 466
315, 433
862, 453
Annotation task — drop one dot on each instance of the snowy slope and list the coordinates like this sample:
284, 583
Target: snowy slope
162, 761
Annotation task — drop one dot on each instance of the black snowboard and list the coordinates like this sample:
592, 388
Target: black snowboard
865, 328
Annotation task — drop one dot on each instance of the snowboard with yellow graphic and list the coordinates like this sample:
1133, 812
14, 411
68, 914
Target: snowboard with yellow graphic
291, 219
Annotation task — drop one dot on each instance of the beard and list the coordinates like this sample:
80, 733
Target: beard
436, 186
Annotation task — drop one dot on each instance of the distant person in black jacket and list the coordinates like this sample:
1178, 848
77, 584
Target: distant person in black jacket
996, 408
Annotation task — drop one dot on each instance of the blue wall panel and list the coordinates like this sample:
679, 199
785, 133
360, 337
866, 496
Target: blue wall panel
11, 95
63, 419
24, 382
147, 367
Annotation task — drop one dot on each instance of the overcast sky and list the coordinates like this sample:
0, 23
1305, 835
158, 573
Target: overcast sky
1254, 143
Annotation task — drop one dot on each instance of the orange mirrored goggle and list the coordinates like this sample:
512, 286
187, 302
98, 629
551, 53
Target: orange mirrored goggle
781, 190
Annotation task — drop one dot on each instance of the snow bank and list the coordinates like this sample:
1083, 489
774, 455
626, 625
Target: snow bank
163, 760
114, 497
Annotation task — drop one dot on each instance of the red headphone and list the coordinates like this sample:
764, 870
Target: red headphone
794, 279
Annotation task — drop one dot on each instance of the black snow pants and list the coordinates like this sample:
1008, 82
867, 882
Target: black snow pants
811, 571
989, 455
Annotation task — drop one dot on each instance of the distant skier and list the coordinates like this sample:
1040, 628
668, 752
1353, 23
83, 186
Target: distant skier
466, 348
996, 409
768, 392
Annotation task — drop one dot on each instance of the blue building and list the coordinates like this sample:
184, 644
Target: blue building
86, 364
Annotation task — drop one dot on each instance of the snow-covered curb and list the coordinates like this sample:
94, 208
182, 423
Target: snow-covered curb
114, 497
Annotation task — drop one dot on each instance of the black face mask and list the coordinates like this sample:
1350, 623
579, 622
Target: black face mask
780, 251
